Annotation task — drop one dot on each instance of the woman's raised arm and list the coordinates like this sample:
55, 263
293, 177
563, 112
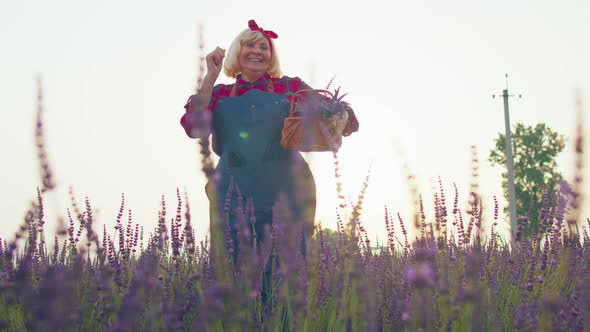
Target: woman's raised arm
195, 122
214, 64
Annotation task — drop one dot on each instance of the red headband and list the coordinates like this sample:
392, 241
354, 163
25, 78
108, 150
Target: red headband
267, 33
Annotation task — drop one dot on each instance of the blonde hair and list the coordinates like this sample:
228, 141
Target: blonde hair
231, 65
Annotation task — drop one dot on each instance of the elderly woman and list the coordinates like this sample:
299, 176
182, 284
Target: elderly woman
247, 122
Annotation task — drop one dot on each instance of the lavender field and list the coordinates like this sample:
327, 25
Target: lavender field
455, 275
452, 277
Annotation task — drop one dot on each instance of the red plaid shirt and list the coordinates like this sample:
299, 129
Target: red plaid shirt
285, 86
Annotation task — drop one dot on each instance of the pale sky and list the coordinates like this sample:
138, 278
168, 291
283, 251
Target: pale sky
420, 74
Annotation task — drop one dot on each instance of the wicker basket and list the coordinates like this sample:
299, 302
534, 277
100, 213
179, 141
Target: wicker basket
309, 132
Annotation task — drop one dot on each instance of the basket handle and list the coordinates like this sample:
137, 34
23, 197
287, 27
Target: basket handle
298, 94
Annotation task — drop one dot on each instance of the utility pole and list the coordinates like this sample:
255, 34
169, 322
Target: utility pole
509, 163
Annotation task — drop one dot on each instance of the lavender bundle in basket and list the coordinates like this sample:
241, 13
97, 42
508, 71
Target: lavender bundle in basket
322, 104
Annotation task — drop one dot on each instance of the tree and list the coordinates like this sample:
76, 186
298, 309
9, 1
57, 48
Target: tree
535, 171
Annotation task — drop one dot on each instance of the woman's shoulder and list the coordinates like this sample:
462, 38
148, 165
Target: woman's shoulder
222, 90
286, 78
288, 84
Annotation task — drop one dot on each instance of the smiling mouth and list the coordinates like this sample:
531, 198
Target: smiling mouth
255, 60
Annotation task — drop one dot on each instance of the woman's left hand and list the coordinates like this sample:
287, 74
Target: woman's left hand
336, 127
339, 123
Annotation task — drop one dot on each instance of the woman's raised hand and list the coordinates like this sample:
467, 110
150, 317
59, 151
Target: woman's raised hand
215, 62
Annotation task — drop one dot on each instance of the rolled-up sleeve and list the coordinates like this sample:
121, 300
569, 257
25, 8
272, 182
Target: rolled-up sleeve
187, 121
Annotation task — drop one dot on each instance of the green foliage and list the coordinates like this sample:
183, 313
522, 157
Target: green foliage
12, 315
535, 150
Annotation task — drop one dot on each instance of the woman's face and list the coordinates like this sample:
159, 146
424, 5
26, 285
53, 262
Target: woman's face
254, 58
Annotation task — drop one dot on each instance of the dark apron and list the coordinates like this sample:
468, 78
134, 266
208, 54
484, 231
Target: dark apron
248, 135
